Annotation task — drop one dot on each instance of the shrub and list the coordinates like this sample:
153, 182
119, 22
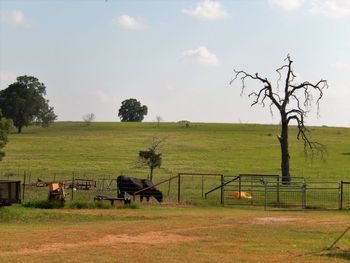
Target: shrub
44, 204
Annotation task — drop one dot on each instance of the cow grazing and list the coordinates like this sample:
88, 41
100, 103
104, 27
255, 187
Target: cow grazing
132, 185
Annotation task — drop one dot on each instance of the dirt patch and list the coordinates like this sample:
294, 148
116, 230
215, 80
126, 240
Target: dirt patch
273, 219
149, 238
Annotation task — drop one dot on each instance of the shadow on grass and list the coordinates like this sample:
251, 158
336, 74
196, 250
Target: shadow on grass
338, 253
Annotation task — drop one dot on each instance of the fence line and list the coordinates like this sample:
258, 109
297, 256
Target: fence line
245, 189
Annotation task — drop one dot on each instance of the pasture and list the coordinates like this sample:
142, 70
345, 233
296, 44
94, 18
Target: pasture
109, 149
169, 232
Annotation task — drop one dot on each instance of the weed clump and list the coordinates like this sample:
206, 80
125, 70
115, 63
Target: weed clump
44, 204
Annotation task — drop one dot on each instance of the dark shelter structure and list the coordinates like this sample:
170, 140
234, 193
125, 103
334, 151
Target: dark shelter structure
10, 192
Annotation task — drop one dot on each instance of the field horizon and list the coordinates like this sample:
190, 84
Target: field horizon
111, 148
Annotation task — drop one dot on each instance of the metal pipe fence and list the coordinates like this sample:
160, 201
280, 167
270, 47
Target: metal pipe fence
198, 188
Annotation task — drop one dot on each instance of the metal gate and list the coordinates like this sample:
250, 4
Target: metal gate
344, 195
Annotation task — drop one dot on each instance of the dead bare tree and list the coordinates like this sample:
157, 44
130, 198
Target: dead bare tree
88, 118
159, 119
293, 102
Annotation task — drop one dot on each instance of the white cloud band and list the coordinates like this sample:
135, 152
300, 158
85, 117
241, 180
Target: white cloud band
130, 23
207, 10
201, 56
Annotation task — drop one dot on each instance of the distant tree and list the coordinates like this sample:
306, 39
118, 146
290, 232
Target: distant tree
5, 127
185, 123
132, 110
24, 103
88, 118
151, 157
293, 101
159, 119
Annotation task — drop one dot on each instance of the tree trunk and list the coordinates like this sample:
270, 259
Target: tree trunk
151, 174
19, 129
283, 138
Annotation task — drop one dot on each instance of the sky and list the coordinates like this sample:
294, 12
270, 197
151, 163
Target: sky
176, 57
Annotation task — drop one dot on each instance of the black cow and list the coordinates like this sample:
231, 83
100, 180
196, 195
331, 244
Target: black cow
132, 185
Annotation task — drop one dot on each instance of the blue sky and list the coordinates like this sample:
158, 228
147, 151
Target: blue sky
177, 57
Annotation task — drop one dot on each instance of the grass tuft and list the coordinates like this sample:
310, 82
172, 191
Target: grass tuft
44, 204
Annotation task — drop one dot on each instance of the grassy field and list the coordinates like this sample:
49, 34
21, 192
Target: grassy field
171, 234
109, 149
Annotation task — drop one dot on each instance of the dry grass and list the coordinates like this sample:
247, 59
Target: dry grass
177, 235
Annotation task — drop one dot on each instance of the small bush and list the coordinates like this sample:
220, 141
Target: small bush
44, 204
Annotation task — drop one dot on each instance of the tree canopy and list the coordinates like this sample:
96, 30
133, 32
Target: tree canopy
23, 102
132, 110
5, 126
152, 157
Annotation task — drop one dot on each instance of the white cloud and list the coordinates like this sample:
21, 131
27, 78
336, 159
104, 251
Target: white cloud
6, 78
286, 4
331, 8
207, 10
130, 23
201, 56
14, 17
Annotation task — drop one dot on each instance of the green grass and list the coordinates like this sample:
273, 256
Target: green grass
109, 149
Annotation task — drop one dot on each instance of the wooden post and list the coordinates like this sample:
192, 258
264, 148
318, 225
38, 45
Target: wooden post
336, 241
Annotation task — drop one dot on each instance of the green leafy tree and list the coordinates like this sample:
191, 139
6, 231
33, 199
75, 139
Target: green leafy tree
24, 103
5, 127
132, 110
152, 157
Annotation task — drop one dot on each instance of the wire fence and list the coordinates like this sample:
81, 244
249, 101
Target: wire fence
196, 189
268, 191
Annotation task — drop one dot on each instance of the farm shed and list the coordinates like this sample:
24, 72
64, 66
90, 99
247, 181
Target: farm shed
10, 192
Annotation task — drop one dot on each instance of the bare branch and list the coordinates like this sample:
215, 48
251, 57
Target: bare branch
293, 104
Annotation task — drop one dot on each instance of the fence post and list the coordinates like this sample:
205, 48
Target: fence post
24, 184
341, 195
72, 195
169, 187
178, 188
202, 186
303, 196
251, 191
278, 191
265, 184
239, 187
222, 190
